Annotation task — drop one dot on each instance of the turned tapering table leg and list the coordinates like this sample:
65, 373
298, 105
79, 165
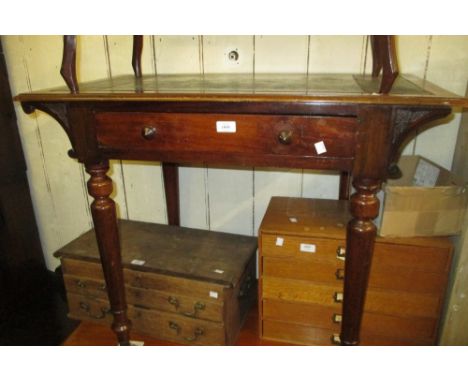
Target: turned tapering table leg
171, 187
361, 234
105, 225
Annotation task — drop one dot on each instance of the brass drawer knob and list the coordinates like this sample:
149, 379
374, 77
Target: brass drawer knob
285, 137
338, 297
341, 253
339, 274
148, 132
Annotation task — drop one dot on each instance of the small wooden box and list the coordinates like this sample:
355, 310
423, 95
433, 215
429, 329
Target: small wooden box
302, 258
183, 285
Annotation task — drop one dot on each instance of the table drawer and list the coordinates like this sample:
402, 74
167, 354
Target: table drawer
251, 135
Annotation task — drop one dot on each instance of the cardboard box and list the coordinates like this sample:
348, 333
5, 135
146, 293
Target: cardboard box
427, 200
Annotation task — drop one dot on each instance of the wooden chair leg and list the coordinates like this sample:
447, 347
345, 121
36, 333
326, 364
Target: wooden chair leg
376, 57
68, 69
385, 60
390, 65
136, 56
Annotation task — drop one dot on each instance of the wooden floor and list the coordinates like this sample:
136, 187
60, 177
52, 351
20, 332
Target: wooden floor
90, 334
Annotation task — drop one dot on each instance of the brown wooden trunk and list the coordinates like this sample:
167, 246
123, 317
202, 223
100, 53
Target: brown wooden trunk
195, 289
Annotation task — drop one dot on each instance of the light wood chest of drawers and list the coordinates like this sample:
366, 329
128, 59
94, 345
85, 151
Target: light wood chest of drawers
301, 263
182, 285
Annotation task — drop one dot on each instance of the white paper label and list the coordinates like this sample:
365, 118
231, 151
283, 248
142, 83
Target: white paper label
136, 343
307, 248
213, 294
426, 174
138, 262
226, 126
339, 296
293, 220
320, 147
279, 241
220, 271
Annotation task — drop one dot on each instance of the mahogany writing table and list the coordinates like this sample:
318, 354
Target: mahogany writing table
334, 122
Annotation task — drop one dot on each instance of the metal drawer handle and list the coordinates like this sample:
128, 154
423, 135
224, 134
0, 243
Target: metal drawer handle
198, 332
173, 301
339, 274
148, 132
174, 326
338, 297
285, 137
337, 318
137, 282
87, 309
341, 253
82, 284
196, 308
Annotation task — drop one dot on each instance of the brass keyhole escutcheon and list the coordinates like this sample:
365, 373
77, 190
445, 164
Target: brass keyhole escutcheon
285, 137
148, 132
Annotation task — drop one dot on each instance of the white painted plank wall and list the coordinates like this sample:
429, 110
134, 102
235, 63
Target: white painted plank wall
232, 200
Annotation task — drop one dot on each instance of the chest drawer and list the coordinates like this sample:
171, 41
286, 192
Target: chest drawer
330, 270
309, 335
187, 306
164, 325
373, 324
145, 280
251, 135
300, 247
380, 301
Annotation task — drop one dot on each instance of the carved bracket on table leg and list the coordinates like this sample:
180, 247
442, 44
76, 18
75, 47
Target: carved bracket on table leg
105, 225
361, 232
406, 124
